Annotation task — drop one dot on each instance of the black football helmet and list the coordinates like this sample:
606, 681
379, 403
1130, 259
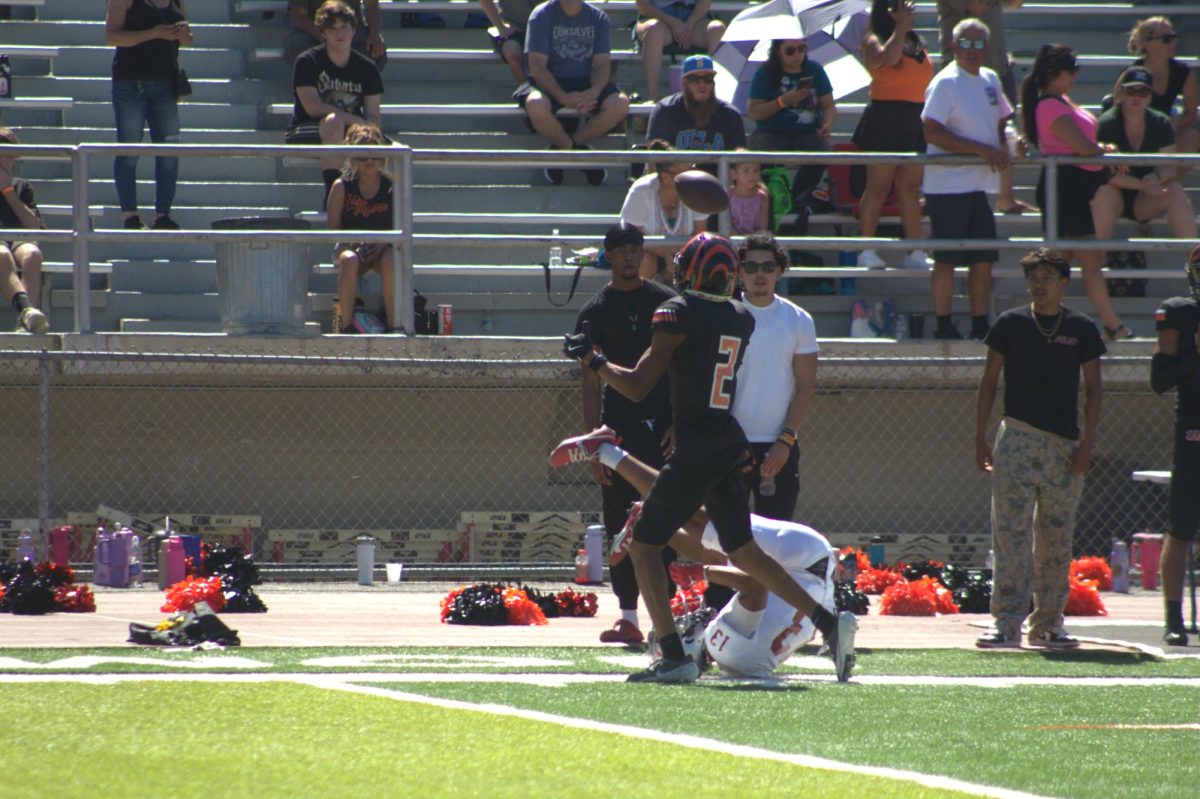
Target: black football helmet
708, 266
1193, 271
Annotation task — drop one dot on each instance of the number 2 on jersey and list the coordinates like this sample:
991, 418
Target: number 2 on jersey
723, 373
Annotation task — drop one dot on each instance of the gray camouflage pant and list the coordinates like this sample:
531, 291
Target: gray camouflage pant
1030, 479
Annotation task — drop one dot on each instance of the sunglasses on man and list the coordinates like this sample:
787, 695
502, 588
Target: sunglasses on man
699, 79
972, 44
751, 267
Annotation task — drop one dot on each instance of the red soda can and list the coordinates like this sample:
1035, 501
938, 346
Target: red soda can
445, 320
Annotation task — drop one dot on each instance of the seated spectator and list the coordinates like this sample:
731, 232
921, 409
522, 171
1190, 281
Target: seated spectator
304, 34
749, 203
900, 71
791, 103
682, 25
695, 119
1154, 42
1141, 193
361, 199
569, 49
334, 88
509, 19
1060, 127
965, 112
653, 207
20, 261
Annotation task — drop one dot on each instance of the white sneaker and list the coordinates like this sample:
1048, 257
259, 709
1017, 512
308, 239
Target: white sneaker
33, 320
869, 259
917, 259
842, 645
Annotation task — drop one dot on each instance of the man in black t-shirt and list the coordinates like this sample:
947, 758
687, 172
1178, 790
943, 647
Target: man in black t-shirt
699, 339
619, 317
334, 87
1039, 457
1176, 364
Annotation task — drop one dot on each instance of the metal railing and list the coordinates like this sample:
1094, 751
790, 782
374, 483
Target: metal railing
404, 237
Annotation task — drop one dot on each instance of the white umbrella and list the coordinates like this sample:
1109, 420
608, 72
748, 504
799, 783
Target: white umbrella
789, 19
834, 46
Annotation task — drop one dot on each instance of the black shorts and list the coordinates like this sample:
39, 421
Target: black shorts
518, 36
1076, 188
568, 85
961, 216
306, 133
1184, 503
690, 479
891, 126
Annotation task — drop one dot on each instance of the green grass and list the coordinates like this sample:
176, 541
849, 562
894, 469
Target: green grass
946, 663
158, 739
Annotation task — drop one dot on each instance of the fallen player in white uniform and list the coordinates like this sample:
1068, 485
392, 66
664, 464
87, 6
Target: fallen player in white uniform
757, 630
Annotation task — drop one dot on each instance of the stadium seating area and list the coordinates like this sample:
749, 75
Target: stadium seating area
444, 89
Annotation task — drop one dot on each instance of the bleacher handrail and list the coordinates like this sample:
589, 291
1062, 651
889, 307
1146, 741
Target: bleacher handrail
403, 236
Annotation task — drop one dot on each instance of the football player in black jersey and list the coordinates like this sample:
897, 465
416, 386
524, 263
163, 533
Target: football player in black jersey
699, 339
1176, 364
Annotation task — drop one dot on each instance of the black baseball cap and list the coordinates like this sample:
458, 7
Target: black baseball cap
1136, 76
623, 234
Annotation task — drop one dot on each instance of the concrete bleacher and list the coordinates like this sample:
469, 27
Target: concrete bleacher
444, 89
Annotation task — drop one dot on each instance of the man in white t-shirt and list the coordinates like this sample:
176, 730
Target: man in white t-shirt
965, 112
777, 378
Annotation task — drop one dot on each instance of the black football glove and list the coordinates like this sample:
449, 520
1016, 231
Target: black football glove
577, 346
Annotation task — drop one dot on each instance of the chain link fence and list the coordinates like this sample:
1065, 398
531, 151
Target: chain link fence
444, 458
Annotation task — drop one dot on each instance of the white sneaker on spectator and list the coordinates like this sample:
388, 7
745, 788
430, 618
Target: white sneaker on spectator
917, 259
869, 259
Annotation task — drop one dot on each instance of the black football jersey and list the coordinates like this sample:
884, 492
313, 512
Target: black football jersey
1183, 314
703, 369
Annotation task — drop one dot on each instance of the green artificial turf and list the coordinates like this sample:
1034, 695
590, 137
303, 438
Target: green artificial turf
154, 739
942, 662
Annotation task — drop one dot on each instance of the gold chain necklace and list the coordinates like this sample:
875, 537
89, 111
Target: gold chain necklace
1049, 334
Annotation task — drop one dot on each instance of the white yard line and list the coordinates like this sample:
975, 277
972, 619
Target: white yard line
691, 742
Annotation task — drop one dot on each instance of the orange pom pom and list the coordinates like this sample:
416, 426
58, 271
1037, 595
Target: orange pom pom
520, 608
1084, 599
876, 581
1093, 568
923, 597
183, 595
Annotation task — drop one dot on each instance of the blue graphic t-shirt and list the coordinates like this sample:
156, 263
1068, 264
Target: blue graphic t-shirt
804, 117
569, 42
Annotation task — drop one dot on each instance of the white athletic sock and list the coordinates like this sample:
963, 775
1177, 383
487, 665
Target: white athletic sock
741, 620
630, 616
611, 455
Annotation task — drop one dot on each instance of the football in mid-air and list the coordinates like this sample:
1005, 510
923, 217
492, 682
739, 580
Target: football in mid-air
701, 192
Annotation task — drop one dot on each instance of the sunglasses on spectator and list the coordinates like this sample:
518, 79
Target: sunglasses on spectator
750, 267
1137, 90
366, 159
972, 44
793, 49
699, 79
1166, 38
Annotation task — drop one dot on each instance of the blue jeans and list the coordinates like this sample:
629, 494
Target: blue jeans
137, 102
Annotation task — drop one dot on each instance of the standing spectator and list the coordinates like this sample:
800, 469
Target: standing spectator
777, 379
682, 24
361, 199
619, 317
304, 33
699, 339
20, 261
791, 103
991, 13
1039, 457
695, 119
1154, 42
1176, 364
653, 207
334, 88
965, 112
1143, 192
147, 35
1059, 127
509, 19
891, 123
568, 46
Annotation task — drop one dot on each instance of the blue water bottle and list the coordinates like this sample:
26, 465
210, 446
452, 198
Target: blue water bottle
875, 552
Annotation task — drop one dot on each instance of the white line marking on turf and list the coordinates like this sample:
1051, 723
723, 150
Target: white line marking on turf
442, 661
91, 661
692, 742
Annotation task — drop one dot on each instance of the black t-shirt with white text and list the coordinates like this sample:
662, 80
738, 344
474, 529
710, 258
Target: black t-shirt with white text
341, 87
1041, 375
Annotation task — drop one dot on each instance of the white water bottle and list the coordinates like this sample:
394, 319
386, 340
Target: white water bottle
26, 548
556, 258
135, 562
